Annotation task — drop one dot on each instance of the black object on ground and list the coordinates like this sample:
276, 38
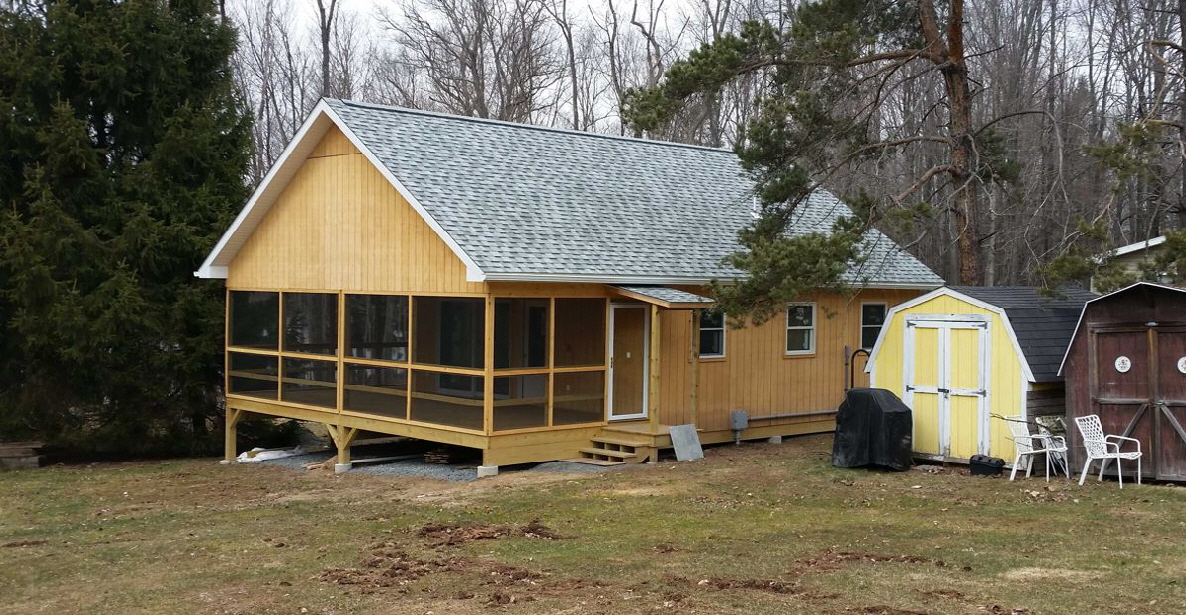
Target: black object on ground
983, 465
873, 427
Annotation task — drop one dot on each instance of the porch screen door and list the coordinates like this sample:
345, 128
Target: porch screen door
629, 329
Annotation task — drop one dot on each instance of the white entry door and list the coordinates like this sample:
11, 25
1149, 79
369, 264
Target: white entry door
946, 360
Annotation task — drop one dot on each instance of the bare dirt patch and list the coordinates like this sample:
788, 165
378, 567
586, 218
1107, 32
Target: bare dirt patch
1034, 573
388, 566
24, 543
833, 560
452, 534
886, 610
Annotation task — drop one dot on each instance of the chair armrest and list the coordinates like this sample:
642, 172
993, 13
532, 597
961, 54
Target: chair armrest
1138, 442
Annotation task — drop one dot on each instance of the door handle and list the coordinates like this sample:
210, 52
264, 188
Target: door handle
944, 391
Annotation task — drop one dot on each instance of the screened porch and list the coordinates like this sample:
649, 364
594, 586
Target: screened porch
476, 364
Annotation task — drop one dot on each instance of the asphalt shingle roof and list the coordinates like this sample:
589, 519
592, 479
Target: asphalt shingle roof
521, 199
1044, 325
670, 295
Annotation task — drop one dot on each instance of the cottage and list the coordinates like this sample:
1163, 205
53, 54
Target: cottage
1127, 363
961, 354
534, 293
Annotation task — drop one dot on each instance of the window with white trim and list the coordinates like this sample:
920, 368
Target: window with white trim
800, 328
872, 317
712, 334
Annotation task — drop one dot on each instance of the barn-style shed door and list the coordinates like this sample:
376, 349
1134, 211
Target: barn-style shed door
946, 373
1139, 391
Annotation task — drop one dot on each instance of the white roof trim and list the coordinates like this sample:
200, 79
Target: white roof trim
306, 139
1140, 245
944, 291
1079, 323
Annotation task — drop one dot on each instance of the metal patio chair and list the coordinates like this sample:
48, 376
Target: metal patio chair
1029, 444
1105, 448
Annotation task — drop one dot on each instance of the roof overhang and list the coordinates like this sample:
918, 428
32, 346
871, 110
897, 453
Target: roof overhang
662, 280
320, 120
1066, 353
945, 291
1140, 245
667, 298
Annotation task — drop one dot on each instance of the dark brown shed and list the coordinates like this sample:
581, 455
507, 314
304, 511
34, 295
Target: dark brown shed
1127, 363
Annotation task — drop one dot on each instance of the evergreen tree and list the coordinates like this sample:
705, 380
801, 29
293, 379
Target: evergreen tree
827, 72
124, 156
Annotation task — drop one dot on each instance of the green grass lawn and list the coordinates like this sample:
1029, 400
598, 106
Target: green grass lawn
756, 529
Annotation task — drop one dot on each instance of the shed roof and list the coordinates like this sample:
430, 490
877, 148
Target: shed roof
1099, 298
527, 203
664, 296
1043, 325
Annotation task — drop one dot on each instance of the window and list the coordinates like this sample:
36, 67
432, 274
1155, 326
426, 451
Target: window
712, 334
580, 332
377, 327
449, 331
520, 333
523, 402
254, 319
311, 323
800, 328
376, 390
872, 317
306, 381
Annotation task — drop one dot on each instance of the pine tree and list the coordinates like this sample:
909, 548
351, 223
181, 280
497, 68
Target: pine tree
125, 152
827, 69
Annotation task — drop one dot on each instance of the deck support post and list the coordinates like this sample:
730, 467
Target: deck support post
231, 444
343, 437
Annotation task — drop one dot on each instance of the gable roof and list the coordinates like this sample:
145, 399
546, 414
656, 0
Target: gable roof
525, 203
1043, 325
1082, 312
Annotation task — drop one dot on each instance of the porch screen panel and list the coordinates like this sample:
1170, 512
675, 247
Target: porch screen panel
578, 397
520, 333
310, 382
447, 399
382, 391
580, 332
255, 319
311, 323
377, 327
253, 375
449, 331
520, 402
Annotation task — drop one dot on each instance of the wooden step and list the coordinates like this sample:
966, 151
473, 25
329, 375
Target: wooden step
621, 441
605, 452
596, 462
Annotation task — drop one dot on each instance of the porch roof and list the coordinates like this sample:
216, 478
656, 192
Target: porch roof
663, 296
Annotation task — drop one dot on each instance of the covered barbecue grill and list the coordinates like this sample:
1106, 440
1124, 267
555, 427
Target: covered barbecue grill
873, 427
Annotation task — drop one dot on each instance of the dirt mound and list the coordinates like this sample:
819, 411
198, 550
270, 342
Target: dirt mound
887, 610
451, 534
388, 566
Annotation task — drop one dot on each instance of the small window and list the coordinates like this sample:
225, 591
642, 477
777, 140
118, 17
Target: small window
800, 328
872, 317
712, 334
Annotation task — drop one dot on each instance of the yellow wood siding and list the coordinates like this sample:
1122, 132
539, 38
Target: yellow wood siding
756, 375
1005, 376
340, 225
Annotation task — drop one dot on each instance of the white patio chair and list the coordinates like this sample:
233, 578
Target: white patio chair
1028, 445
1105, 448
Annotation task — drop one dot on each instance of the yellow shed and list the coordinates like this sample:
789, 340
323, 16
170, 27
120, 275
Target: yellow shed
958, 356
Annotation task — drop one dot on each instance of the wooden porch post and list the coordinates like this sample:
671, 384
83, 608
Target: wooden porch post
654, 380
694, 359
488, 362
232, 437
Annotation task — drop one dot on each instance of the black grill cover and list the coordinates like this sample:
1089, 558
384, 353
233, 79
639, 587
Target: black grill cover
873, 427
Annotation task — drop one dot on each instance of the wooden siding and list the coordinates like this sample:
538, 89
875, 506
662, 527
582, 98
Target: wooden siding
339, 225
1045, 399
755, 374
1005, 373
